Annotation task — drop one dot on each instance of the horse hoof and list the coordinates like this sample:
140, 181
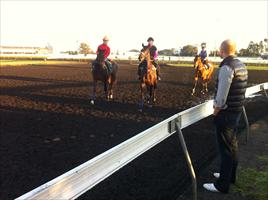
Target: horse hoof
92, 102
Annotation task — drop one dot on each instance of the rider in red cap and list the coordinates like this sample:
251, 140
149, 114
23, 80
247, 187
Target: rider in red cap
104, 47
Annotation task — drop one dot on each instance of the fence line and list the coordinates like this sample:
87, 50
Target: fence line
79, 180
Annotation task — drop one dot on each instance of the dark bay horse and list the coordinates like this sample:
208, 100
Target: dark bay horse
101, 73
202, 72
148, 80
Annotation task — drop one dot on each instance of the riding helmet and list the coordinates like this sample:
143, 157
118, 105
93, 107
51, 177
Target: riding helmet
150, 39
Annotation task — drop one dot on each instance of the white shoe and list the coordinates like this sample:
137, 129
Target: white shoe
216, 175
210, 187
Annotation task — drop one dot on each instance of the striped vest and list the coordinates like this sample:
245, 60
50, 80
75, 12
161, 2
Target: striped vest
236, 96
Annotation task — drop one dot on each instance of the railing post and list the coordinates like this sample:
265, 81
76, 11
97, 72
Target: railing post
247, 124
262, 88
188, 160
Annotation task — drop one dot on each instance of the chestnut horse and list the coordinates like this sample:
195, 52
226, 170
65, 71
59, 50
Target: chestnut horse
148, 80
100, 73
203, 72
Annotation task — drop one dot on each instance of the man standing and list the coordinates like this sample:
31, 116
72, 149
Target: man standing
228, 105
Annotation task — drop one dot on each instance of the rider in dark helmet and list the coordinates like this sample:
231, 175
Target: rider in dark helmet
204, 56
154, 57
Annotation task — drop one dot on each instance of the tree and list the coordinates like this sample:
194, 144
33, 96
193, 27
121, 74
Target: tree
243, 53
84, 49
166, 52
189, 50
265, 45
134, 50
214, 53
254, 49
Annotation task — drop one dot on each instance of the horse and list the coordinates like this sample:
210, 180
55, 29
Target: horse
100, 73
148, 80
202, 72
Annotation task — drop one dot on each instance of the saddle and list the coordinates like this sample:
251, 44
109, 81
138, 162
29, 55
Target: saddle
143, 69
109, 66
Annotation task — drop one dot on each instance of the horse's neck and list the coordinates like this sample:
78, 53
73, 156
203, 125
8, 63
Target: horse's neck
201, 66
148, 59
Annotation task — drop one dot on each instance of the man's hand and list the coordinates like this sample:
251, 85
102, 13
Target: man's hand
216, 111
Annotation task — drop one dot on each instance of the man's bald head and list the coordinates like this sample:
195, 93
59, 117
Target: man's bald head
228, 47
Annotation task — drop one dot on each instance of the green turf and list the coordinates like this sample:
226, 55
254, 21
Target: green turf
252, 184
263, 158
253, 67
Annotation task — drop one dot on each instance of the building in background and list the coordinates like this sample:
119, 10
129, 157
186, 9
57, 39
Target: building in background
25, 50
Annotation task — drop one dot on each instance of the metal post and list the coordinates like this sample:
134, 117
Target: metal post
265, 93
188, 160
262, 88
247, 124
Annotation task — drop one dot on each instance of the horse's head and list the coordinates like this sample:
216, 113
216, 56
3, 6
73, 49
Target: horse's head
144, 54
100, 57
197, 61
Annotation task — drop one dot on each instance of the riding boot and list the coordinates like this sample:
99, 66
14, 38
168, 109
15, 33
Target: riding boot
109, 66
158, 75
139, 71
93, 64
157, 70
206, 64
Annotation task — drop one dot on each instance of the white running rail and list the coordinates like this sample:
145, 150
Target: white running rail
79, 180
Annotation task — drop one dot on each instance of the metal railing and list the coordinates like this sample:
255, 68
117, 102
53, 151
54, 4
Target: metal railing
79, 180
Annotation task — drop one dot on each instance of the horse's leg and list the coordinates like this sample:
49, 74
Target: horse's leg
154, 93
206, 89
105, 89
111, 84
93, 98
150, 96
110, 90
195, 83
203, 86
142, 85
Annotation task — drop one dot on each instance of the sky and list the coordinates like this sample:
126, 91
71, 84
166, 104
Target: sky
128, 24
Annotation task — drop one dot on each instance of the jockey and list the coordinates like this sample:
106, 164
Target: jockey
154, 57
203, 55
104, 47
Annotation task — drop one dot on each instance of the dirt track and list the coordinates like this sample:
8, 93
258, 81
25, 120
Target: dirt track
49, 127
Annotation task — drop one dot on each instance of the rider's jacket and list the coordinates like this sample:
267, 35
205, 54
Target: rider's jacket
237, 86
203, 54
153, 51
105, 48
